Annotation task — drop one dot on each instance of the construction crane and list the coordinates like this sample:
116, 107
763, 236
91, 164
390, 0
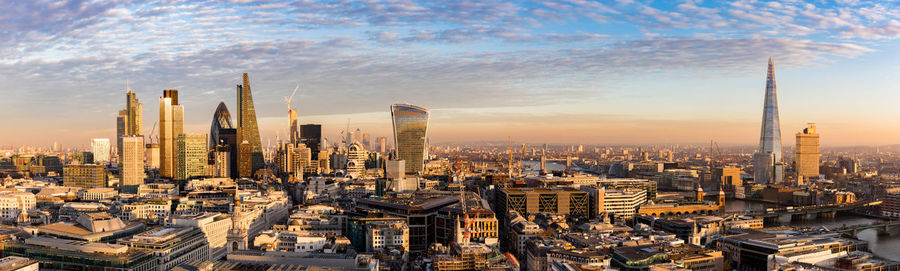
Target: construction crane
287, 99
150, 135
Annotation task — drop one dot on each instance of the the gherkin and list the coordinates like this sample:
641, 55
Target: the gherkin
221, 120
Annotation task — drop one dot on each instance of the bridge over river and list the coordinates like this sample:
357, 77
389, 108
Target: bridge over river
801, 212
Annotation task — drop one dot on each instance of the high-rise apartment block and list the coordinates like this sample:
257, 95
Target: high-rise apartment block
410, 129
250, 157
131, 163
100, 148
807, 163
171, 124
190, 156
768, 163
84, 176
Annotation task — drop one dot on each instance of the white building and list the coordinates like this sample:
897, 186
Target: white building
100, 148
97, 194
14, 205
387, 234
156, 210
623, 203
214, 225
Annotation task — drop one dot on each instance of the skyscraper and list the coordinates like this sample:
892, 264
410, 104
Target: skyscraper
223, 137
768, 163
121, 130
100, 149
131, 164
410, 129
190, 158
250, 157
130, 120
311, 136
135, 114
807, 163
294, 133
171, 124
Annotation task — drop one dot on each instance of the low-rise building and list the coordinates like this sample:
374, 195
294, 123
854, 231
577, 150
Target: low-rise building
63, 254
171, 246
387, 234
215, 227
15, 263
97, 194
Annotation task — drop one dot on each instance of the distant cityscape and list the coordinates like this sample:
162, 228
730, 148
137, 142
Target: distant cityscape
171, 200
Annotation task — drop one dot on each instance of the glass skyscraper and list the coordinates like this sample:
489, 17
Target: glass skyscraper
250, 157
410, 127
768, 163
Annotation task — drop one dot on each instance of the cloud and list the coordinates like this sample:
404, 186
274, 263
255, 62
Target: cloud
355, 56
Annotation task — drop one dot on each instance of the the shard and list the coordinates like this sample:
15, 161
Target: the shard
768, 163
250, 154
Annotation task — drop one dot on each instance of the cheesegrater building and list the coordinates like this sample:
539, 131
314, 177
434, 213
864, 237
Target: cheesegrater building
250, 154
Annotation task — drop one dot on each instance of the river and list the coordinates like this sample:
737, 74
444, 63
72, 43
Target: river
886, 246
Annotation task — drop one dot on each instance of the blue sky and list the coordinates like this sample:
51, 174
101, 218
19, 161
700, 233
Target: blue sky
559, 71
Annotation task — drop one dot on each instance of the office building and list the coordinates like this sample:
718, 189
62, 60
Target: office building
84, 176
91, 227
622, 203
250, 157
807, 163
727, 177
561, 201
387, 234
223, 138
768, 163
410, 129
171, 124
219, 164
129, 121
64, 254
891, 205
311, 136
221, 120
171, 246
191, 158
131, 163
215, 227
294, 132
382, 145
356, 160
121, 129
418, 209
151, 155
15, 263
14, 206
100, 148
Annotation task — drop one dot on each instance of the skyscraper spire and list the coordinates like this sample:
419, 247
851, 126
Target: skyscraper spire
768, 160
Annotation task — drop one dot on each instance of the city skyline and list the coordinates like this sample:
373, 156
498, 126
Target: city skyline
604, 73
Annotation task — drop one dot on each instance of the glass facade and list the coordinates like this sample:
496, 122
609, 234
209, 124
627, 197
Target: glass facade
410, 127
768, 166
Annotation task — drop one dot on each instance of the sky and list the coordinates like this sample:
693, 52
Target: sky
554, 71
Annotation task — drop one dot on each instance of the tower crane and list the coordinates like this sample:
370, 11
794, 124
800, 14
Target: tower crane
287, 99
150, 135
